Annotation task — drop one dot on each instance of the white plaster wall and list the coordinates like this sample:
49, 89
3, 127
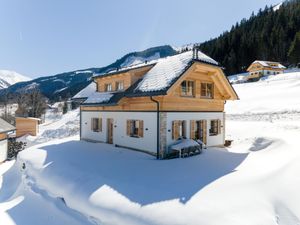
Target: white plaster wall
211, 140
3, 150
147, 143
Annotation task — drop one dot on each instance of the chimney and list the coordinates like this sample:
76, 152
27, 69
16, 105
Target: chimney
195, 51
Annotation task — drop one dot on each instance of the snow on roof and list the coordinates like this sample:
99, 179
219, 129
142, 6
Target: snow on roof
86, 92
135, 66
99, 97
5, 127
269, 64
167, 69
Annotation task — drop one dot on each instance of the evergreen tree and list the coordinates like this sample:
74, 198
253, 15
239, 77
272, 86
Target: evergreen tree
294, 51
269, 35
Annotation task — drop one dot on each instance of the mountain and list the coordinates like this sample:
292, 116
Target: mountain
273, 34
8, 78
64, 85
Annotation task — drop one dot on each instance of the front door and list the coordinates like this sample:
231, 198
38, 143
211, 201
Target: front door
110, 129
202, 130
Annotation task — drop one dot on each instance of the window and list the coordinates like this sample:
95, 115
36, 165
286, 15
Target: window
135, 128
215, 127
96, 124
207, 90
178, 129
198, 130
108, 87
187, 88
120, 85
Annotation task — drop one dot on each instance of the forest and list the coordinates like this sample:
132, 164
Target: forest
270, 34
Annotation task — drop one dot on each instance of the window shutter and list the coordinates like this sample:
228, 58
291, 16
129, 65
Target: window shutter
219, 126
183, 128
100, 124
205, 131
128, 127
192, 129
92, 123
141, 128
175, 130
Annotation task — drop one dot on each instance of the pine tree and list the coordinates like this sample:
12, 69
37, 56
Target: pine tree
294, 51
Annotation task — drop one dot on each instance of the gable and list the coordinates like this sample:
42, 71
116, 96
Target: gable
255, 66
204, 73
128, 77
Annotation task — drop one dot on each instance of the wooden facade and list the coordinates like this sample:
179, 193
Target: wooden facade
3, 136
27, 126
128, 78
173, 101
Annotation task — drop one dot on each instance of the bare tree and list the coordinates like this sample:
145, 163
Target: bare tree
32, 103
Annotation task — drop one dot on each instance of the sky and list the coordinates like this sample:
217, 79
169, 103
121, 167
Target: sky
46, 37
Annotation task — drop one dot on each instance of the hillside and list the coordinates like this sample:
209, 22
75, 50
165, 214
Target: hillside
272, 34
253, 182
8, 78
67, 84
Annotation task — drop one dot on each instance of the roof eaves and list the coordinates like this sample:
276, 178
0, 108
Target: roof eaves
209, 63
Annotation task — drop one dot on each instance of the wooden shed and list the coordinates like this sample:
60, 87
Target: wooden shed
28, 125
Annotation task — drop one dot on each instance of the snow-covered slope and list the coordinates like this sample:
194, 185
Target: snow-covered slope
254, 182
8, 78
134, 60
271, 94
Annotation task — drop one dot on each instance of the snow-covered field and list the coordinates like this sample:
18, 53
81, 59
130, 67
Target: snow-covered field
255, 182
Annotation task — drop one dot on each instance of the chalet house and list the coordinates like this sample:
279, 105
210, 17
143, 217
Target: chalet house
148, 107
259, 69
5, 129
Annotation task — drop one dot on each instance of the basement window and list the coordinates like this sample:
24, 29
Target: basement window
96, 124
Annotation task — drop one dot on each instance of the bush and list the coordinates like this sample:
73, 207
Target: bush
14, 147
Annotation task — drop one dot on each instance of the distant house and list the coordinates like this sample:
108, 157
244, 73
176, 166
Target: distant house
259, 69
148, 107
5, 129
27, 125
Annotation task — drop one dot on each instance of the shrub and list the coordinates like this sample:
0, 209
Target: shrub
14, 147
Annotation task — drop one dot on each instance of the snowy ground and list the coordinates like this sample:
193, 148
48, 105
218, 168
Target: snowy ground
56, 126
256, 181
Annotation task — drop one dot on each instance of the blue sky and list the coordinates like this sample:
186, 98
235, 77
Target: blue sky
45, 37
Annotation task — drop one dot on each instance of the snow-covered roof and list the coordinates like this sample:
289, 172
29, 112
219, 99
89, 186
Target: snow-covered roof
167, 70
99, 97
160, 77
5, 127
86, 92
124, 69
275, 65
